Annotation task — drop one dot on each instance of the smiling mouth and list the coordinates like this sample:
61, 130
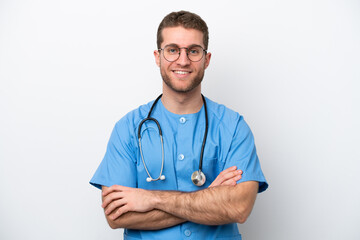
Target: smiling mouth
181, 72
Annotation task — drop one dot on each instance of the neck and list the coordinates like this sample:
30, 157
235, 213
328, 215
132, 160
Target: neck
182, 103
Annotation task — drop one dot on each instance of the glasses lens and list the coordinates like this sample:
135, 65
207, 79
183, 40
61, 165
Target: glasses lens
195, 54
171, 53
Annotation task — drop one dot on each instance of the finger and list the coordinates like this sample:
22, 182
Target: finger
108, 190
230, 175
224, 176
119, 212
233, 168
221, 177
113, 188
231, 181
113, 205
110, 198
226, 171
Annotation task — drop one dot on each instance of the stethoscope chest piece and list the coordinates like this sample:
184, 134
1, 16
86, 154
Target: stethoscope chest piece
198, 178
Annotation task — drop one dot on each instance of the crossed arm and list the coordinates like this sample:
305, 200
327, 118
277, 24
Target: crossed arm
223, 202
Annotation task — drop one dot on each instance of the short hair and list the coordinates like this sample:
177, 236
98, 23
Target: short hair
185, 19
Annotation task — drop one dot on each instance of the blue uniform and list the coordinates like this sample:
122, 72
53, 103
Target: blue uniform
229, 143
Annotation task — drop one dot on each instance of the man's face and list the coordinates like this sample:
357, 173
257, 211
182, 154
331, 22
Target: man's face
182, 75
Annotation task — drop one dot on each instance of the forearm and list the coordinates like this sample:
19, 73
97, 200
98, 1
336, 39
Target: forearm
212, 206
152, 220
134, 208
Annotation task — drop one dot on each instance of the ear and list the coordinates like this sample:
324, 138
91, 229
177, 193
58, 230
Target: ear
157, 57
207, 59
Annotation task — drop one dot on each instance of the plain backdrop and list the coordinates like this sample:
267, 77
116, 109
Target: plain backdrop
70, 69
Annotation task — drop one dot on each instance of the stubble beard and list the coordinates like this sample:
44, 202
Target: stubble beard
194, 82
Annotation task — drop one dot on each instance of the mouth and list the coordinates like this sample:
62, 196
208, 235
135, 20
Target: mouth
181, 73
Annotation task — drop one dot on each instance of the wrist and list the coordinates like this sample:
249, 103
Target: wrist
156, 199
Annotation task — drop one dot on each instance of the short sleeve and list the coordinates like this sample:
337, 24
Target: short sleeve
242, 153
118, 166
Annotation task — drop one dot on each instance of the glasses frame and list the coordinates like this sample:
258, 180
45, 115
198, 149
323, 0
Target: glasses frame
187, 52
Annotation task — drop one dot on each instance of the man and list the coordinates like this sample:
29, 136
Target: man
171, 206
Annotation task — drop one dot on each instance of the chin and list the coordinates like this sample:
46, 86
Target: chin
182, 85
182, 89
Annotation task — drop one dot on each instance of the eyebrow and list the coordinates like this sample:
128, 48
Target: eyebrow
190, 46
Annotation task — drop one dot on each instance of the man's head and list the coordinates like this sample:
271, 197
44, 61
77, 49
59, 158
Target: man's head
186, 20
181, 54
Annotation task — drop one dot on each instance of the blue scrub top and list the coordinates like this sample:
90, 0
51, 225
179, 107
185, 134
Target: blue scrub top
229, 143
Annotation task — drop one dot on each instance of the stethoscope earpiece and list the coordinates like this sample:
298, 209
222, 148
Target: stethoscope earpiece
150, 179
198, 177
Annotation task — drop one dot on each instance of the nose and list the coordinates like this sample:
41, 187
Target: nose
183, 59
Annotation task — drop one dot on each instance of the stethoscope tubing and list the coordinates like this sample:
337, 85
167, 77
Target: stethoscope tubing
162, 161
149, 118
205, 134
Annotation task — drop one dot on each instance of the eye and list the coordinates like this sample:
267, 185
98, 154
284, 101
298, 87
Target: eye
194, 51
172, 50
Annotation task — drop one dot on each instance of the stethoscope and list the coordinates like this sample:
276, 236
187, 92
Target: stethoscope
198, 177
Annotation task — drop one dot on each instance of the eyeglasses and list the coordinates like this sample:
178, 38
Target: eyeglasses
172, 53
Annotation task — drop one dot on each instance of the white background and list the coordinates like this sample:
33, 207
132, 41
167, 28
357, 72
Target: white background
70, 69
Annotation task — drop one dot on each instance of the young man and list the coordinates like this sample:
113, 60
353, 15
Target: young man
196, 177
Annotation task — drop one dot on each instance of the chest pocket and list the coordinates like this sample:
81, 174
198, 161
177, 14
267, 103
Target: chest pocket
211, 164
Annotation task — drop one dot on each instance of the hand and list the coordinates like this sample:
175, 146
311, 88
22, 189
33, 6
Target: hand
118, 200
228, 177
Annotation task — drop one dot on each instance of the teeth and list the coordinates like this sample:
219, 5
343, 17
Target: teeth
180, 72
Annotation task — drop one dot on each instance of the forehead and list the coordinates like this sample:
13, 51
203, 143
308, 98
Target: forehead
181, 36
